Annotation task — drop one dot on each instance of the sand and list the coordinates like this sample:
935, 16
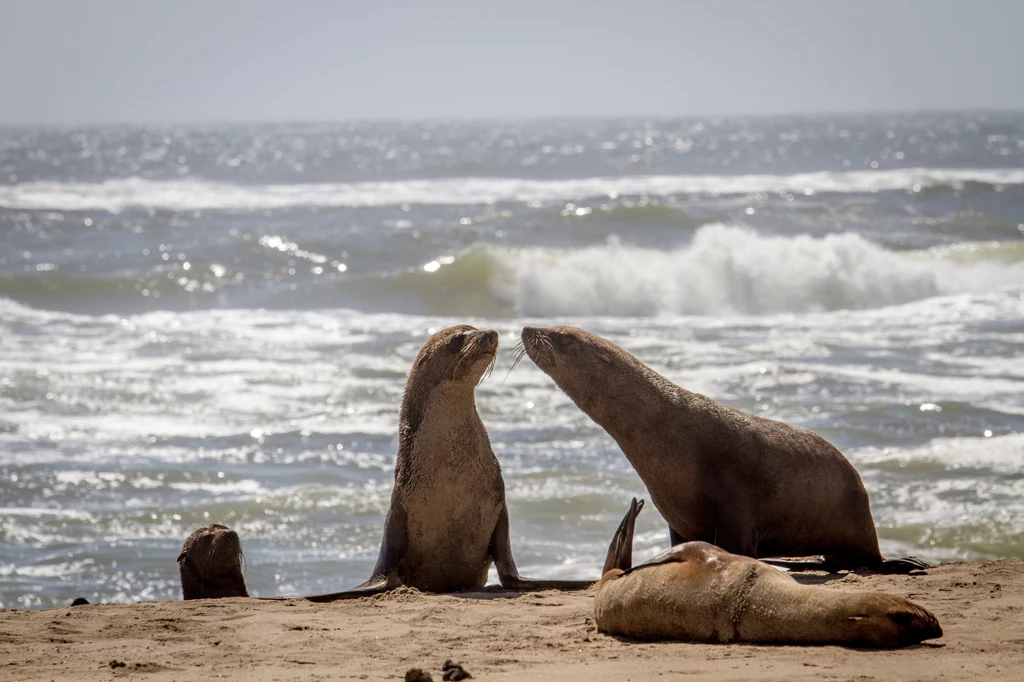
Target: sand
544, 636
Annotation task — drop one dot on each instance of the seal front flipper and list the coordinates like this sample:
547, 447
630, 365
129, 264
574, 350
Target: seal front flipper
392, 546
508, 574
674, 537
809, 564
902, 566
620, 550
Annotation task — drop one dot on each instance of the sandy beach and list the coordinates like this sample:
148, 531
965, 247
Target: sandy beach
546, 636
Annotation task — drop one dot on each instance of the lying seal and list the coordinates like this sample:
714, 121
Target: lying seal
700, 593
448, 521
210, 564
752, 486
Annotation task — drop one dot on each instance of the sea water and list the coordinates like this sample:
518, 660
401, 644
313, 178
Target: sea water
214, 324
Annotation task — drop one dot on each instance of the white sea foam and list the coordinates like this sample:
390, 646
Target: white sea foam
1002, 454
192, 194
733, 270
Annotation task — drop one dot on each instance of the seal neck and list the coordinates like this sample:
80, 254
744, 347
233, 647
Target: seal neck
633, 408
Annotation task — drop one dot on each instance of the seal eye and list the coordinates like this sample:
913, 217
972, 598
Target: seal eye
457, 342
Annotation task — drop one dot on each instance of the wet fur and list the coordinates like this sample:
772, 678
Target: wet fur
210, 564
753, 486
699, 592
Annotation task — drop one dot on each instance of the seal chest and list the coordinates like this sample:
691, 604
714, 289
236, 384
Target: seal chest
452, 497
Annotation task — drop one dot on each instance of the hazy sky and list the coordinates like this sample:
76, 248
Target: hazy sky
219, 60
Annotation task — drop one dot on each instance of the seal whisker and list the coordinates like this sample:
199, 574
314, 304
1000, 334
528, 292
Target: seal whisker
518, 352
489, 370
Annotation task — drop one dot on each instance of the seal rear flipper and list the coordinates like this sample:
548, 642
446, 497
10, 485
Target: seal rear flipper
620, 550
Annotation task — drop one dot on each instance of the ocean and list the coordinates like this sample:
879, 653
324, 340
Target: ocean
214, 324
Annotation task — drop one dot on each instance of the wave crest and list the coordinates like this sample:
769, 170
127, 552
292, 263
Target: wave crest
725, 270
192, 194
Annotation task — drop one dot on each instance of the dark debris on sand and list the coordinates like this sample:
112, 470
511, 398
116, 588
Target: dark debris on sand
454, 671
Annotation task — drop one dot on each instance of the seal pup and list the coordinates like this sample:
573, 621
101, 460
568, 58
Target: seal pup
750, 485
210, 564
700, 593
448, 521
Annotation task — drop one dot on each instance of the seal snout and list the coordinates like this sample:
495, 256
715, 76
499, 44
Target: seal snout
226, 545
537, 344
532, 336
489, 340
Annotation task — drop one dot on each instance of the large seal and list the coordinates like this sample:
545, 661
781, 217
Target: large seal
701, 593
750, 485
210, 564
448, 521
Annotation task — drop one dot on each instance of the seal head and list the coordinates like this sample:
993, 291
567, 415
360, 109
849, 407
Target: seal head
210, 564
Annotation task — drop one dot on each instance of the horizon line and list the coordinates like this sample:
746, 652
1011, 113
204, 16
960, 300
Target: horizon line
510, 119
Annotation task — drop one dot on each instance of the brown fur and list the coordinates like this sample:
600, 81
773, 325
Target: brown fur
210, 564
448, 491
448, 521
753, 486
698, 592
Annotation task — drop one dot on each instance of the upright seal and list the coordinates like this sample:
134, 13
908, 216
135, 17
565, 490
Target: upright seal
750, 485
448, 521
697, 592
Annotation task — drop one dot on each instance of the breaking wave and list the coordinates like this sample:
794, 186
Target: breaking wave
191, 194
724, 270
